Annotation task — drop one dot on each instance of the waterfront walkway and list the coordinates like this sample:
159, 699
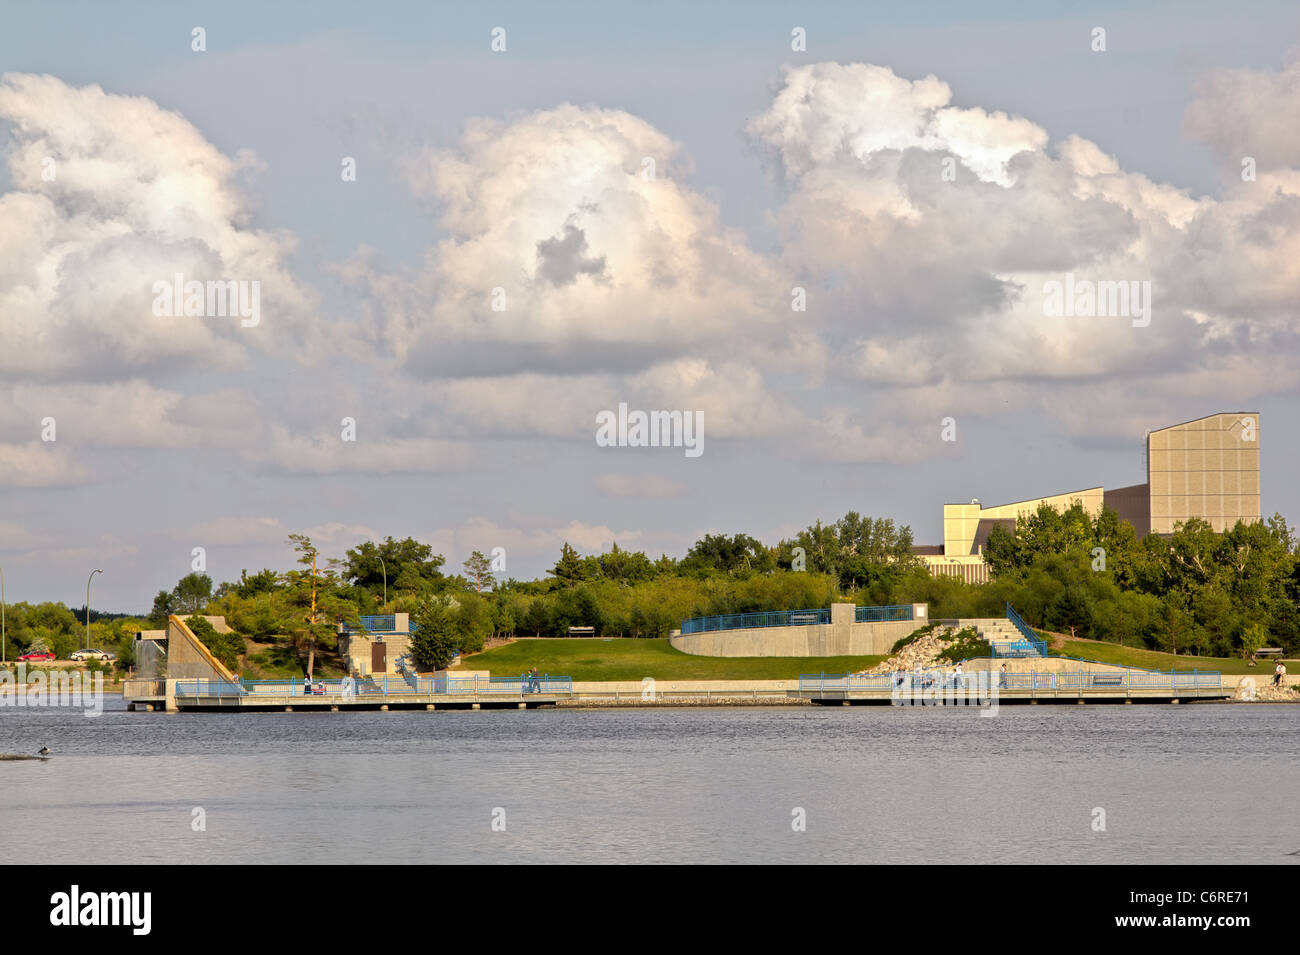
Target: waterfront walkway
379, 693
983, 687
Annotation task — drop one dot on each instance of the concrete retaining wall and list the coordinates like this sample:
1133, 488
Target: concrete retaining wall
631, 688
188, 658
841, 637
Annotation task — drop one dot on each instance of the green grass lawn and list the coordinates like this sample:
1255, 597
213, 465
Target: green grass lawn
629, 659
1104, 652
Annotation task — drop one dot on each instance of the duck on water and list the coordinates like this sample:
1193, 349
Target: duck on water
42, 753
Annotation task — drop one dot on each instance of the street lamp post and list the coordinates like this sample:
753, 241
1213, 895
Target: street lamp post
384, 567
88, 580
3, 657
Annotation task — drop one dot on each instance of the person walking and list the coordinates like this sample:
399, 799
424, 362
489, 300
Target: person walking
306, 686
534, 684
1002, 676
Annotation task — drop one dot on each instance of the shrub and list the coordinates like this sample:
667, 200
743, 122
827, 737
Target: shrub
966, 643
912, 637
226, 647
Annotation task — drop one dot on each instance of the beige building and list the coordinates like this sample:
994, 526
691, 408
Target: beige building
1207, 468
380, 646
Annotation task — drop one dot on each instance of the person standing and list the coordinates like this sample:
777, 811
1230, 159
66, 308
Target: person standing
306, 686
1002, 676
1279, 672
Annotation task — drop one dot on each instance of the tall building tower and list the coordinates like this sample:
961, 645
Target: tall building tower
1207, 468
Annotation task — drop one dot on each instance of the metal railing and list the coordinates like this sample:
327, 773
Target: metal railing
1072, 680
210, 688
1018, 648
138, 689
882, 614
372, 623
745, 621
1031, 638
385, 686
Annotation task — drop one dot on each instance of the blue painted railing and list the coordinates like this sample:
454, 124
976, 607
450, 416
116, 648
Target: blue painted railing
1031, 638
373, 623
219, 688
380, 686
1017, 648
882, 614
1068, 680
791, 618
744, 621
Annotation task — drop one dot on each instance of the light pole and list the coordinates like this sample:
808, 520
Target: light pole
88, 580
3, 658
385, 569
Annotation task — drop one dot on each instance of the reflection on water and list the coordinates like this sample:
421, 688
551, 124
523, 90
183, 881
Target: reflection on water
1200, 783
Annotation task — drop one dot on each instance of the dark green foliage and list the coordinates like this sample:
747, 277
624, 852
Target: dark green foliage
1195, 591
437, 637
226, 647
410, 565
965, 645
912, 637
718, 552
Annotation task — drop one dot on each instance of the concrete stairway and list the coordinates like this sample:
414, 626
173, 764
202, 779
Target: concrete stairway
993, 629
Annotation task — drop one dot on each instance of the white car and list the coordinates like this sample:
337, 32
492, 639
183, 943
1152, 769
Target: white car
102, 655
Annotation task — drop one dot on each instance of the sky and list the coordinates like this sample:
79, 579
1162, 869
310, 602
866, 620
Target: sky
825, 230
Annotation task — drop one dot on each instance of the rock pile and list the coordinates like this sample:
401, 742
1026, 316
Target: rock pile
1267, 693
922, 652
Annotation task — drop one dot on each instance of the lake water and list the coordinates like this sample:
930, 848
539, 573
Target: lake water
1190, 784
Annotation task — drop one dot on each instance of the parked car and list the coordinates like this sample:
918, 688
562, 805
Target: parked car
102, 655
36, 655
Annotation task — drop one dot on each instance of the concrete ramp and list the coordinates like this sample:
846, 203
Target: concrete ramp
218, 624
188, 658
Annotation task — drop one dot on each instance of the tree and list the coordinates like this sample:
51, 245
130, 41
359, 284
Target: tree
192, 593
1071, 609
537, 618
1253, 639
411, 567
568, 569
163, 607
263, 582
312, 629
718, 552
625, 566
1173, 622
479, 571
436, 637
1003, 551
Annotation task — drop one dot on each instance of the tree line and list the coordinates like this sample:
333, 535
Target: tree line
1196, 591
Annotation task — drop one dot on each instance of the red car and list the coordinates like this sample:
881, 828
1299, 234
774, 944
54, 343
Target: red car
36, 655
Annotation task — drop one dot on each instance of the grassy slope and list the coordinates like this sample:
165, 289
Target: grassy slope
1104, 652
278, 661
626, 659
